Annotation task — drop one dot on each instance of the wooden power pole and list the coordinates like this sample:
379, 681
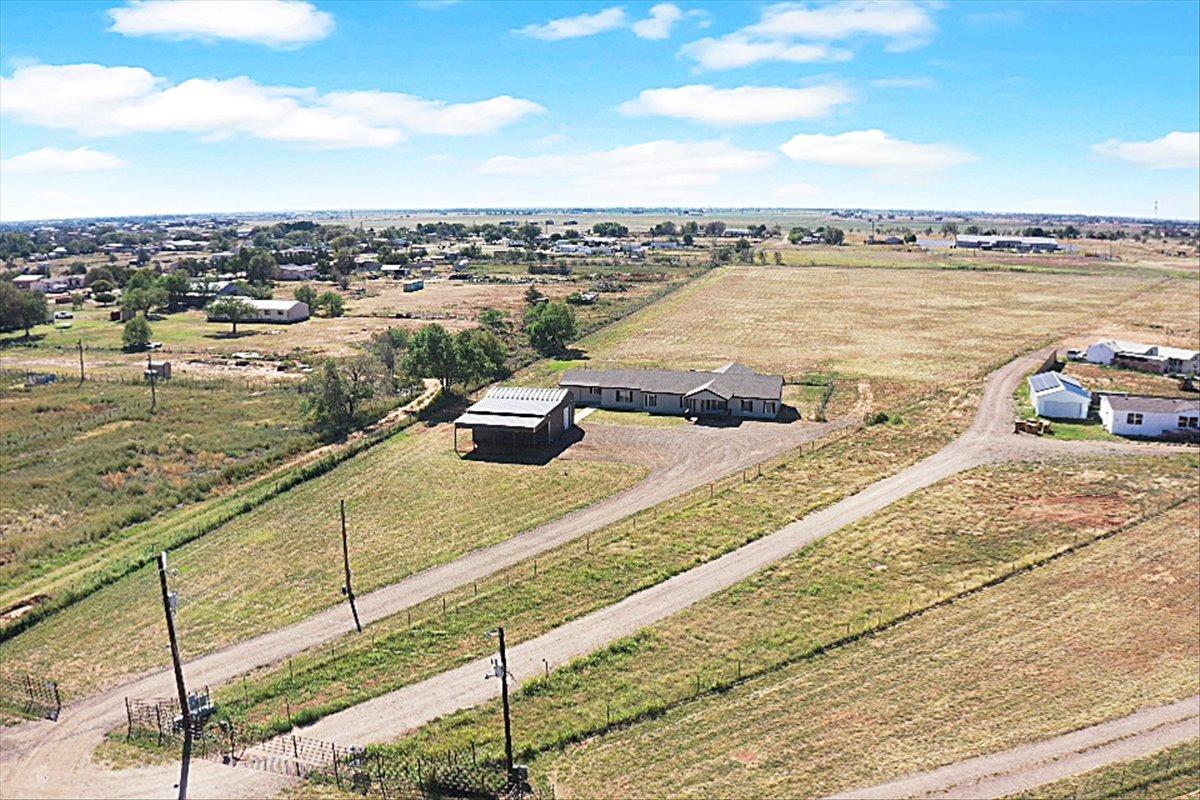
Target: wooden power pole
81, 376
150, 376
508, 756
184, 707
347, 589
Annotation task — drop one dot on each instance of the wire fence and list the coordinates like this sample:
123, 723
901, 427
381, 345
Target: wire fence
29, 696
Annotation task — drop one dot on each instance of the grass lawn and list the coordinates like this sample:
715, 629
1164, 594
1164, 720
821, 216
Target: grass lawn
953, 536
1090, 637
1065, 429
1168, 774
281, 561
82, 463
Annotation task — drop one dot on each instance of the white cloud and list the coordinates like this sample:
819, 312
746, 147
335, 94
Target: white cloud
275, 23
658, 25
905, 83
419, 115
658, 170
94, 100
873, 149
801, 32
52, 159
745, 105
905, 24
1176, 150
575, 27
737, 50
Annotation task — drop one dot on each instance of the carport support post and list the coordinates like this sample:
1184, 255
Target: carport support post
346, 561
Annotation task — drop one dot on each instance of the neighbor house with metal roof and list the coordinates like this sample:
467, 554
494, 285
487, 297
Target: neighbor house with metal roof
733, 390
1058, 396
518, 417
1151, 417
1145, 357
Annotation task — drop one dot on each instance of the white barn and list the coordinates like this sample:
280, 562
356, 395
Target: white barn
1150, 417
1058, 396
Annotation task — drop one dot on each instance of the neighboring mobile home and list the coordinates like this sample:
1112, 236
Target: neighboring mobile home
1145, 357
1150, 417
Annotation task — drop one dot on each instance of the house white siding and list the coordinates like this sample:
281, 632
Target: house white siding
1146, 417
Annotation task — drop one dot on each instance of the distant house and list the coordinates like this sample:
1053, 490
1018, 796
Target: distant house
1058, 396
733, 390
1145, 357
366, 262
33, 283
201, 292
1020, 244
394, 270
1151, 417
281, 311
515, 416
295, 272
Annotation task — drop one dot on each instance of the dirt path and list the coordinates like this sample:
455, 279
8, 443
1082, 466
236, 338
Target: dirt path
1029, 766
54, 760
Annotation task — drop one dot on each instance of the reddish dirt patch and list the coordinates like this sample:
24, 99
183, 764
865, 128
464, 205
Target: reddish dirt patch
1077, 511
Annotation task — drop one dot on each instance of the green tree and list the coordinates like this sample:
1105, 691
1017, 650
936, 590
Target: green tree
307, 295
550, 326
610, 229
176, 285
495, 320
797, 234
21, 309
326, 402
333, 303
260, 268
432, 354
833, 236
136, 335
480, 356
231, 309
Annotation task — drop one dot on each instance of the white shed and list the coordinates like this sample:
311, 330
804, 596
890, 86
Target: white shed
1058, 396
1149, 417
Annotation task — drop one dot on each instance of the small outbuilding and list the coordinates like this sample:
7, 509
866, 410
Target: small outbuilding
1058, 396
512, 417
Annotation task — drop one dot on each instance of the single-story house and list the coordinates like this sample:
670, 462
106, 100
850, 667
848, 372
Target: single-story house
1020, 244
733, 390
366, 262
295, 272
34, 283
1150, 417
1145, 357
1058, 396
517, 416
283, 311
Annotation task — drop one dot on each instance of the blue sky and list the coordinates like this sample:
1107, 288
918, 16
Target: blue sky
156, 106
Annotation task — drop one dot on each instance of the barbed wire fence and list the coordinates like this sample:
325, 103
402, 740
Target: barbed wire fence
28, 696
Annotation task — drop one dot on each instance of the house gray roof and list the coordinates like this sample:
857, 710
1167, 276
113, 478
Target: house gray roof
729, 381
1153, 405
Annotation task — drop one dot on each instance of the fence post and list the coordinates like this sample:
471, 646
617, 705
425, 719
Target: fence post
57, 700
129, 717
158, 719
337, 777
379, 773
29, 691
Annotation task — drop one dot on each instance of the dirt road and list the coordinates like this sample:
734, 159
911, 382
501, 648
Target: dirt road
53, 760
1023, 768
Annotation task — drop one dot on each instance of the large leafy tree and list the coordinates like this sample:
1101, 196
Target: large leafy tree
550, 326
20, 309
432, 354
231, 309
135, 337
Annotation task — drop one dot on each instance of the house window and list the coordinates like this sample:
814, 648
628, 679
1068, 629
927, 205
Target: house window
768, 406
1133, 418
594, 390
624, 395
651, 400
747, 405
1189, 422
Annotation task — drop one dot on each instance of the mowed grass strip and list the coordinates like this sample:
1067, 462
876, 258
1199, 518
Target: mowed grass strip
940, 542
587, 575
1091, 637
411, 504
1171, 773
83, 462
940, 326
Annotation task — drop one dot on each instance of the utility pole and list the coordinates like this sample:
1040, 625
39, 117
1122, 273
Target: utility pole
502, 673
81, 362
150, 376
346, 590
184, 707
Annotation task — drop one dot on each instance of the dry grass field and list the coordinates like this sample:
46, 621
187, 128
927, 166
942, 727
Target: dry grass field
1170, 774
1093, 636
911, 326
282, 561
937, 543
